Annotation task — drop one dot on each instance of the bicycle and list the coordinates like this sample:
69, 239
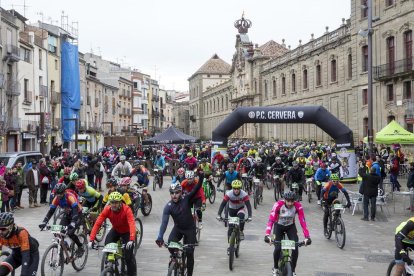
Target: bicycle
234, 240
141, 200
335, 223
277, 187
197, 223
257, 192
62, 253
6, 254
285, 260
294, 187
209, 190
269, 179
177, 265
309, 188
88, 220
408, 270
157, 179
246, 182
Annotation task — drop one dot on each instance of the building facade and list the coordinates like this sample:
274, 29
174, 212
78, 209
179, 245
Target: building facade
330, 70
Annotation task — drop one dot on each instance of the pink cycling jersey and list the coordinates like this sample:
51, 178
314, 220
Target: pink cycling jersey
285, 216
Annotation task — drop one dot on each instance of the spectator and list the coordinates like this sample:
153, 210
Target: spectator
369, 189
99, 171
394, 170
45, 180
4, 193
18, 188
2, 169
33, 182
10, 180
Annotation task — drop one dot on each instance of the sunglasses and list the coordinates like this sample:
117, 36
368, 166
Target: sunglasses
236, 188
3, 229
177, 193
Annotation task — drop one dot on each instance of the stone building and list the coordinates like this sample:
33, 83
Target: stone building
330, 70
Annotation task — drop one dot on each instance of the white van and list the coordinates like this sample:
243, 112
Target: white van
10, 159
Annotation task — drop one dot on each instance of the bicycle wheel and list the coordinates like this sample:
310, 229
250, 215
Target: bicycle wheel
101, 233
146, 206
212, 196
159, 182
79, 262
109, 271
391, 269
52, 264
172, 269
4, 255
138, 236
256, 197
154, 183
287, 269
309, 191
231, 250
237, 246
340, 234
198, 230
329, 229
268, 181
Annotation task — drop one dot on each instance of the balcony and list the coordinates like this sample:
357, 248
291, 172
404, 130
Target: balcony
56, 124
56, 97
12, 88
391, 70
28, 97
29, 126
43, 91
13, 124
13, 53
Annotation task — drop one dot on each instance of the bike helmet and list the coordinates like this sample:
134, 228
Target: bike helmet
60, 189
289, 195
67, 170
112, 182
190, 154
6, 219
122, 158
230, 166
278, 159
73, 176
115, 196
80, 184
176, 187
203, 160
189, 174
236, 184
258, 159
181, 171
126, 181
334, 176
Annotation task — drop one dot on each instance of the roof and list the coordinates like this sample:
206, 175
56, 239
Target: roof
272, 49
215, 65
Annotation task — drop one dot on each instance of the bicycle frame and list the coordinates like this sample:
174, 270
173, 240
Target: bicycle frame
115, 253
59, 239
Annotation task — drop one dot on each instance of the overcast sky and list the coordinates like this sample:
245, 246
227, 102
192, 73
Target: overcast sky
171, 39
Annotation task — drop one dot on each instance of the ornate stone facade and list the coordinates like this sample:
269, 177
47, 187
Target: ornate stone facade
330, 70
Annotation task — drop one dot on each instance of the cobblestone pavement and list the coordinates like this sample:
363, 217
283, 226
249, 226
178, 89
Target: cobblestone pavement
368, 250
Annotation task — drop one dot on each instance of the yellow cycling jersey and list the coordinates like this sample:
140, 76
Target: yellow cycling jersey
125, 198
401, 226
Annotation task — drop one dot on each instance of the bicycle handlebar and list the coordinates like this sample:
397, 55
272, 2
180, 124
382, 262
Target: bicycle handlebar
299, 244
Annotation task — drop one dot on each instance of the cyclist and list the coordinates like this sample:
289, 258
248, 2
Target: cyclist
25, 248
123, 228
123, 168
226, 161
160, 164
322, 175
93, 199
205, 170
258, 170
67, 201
179, 207
238, 200
190, 162
282, 219
329, 193
280, 169
296, 175
404, 231
180, 175
66, 176
124, 189
142, 174
229, 176
112, 186
199, 200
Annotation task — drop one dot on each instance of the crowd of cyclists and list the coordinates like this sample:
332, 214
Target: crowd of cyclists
76, 183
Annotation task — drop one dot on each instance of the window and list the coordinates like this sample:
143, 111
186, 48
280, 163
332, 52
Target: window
40, 59
391, 55
390, 92
283, 85
364, 96
274, 88
364, 9
266, 95
26, 55
408, 50
318, 75
293, 83
349, 66
407, 90
389, 3
255, 87
365, 58
27, 97
305, 79
365, 127
333, 70
56, 64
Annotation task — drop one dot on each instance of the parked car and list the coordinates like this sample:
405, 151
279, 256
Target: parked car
10, 159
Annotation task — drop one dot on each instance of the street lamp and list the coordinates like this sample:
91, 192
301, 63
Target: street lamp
76, 130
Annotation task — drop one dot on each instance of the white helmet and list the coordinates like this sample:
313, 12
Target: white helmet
189, 174
175, 187
258, 159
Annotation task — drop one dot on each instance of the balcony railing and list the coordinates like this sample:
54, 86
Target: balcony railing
28, 97
56, 123
13, 124
56, 97
13, 52
43, 91
12, 88
394, 69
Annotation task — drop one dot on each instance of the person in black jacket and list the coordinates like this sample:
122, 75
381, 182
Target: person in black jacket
410, 184
369, 188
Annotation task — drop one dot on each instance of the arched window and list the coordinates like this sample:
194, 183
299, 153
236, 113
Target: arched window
318, 75
305, 79
408, 49
293, 83
365, 127
274, 88
391, 54
365, 58
227, 102
333, 70
222, 104
349, 66
283, 85
266, 95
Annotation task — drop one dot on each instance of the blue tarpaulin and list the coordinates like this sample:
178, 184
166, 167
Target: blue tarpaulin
70, 89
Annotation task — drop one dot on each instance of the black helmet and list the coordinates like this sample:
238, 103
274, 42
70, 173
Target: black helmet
60, 189
289, 195
113, 181
6, 219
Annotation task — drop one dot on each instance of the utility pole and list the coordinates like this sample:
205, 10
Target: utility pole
42, 130
370, 104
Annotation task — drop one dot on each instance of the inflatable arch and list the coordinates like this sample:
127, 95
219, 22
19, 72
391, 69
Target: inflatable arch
317, 115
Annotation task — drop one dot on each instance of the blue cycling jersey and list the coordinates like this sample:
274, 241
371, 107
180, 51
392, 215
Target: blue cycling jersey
231, 176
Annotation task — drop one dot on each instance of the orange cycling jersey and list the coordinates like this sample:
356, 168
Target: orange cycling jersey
20, 240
